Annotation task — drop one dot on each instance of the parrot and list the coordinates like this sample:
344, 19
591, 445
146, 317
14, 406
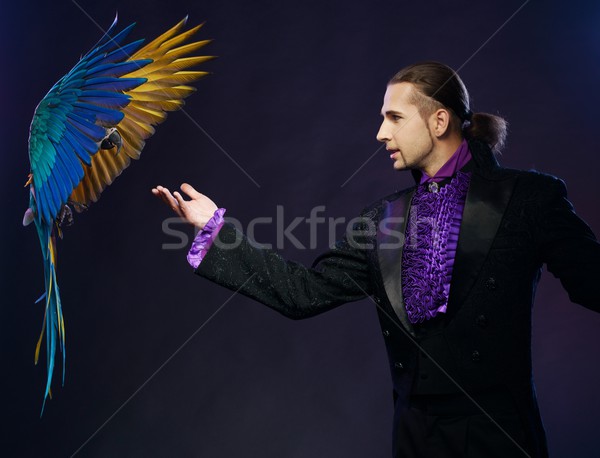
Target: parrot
86, 131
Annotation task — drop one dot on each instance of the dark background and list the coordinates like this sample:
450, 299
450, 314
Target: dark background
294, 99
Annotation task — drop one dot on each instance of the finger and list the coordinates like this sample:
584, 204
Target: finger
169, 197
158, 192
190, 191
179, 198
171, 201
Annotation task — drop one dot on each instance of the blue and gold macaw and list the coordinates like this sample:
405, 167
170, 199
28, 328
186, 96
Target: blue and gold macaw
86, 131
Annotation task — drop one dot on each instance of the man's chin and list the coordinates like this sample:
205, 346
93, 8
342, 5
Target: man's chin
399, 165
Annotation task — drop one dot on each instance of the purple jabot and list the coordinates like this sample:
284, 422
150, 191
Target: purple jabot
432, 237
431, 241
204, 239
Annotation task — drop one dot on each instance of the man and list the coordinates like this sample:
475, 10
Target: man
454, 292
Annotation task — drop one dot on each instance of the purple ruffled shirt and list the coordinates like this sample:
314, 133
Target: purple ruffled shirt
432, 237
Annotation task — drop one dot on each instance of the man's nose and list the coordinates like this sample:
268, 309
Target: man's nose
383, 135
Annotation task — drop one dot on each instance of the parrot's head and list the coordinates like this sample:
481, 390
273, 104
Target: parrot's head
113, 138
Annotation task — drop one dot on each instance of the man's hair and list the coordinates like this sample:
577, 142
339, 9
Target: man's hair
438, 86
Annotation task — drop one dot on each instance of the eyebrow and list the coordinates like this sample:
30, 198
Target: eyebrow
393, 112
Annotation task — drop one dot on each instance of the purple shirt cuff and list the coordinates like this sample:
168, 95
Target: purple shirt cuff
204, 239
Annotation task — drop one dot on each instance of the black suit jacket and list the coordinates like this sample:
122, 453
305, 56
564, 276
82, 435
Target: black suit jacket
513, 222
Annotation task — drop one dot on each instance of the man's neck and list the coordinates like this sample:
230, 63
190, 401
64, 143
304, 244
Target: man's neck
440, 155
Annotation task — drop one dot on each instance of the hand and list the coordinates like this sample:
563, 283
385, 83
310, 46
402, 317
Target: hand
197, 211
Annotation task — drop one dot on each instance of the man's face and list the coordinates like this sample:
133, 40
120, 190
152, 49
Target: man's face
406, 135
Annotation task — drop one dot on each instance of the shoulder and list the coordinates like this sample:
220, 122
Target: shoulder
527, 179
539, 182
538, 178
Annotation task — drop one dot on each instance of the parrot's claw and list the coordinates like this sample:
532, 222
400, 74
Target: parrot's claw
65, 216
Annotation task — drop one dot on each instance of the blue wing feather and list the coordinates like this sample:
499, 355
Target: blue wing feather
62, 179
105, 99
84, 126
69, 175
117, 70
72, 82
85, 142
106, 36
112, 42
44, 204
113, 84
56, 184
104, 116
53, 194
71, 162
54, 134
118, 55
46, 167
81, 152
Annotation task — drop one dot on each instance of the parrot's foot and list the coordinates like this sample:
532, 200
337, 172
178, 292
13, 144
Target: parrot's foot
65, 216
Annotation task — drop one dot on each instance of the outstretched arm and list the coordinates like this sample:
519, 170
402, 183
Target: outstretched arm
338, 276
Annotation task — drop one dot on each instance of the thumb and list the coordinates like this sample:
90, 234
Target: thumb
190, 191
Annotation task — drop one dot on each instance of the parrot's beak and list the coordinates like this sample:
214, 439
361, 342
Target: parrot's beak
111, 140
28, 217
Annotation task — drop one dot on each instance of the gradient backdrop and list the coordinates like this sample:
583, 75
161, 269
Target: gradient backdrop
289, 114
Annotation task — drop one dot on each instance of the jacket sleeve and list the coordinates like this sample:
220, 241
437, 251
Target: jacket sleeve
337, 276
569, 248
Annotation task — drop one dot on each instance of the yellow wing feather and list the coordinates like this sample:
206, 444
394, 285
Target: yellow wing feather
168, 84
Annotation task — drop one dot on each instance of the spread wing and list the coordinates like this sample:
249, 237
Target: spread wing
166, 84
114, 85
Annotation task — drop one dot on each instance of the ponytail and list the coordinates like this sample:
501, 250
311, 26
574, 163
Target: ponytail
487, 128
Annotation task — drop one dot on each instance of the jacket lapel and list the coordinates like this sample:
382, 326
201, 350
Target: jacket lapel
390, 241
485, 205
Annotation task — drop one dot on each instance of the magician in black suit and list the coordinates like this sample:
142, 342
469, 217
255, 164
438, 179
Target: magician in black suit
452, 265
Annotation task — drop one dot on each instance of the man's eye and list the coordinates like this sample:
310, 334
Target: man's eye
396, 118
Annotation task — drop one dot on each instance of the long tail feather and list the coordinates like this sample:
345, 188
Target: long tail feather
53, 326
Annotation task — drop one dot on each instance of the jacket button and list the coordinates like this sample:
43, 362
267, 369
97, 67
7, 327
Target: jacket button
398, 365
386, 333
491, 283
475, 356
481, 321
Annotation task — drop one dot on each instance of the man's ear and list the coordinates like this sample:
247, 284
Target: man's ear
440, 122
